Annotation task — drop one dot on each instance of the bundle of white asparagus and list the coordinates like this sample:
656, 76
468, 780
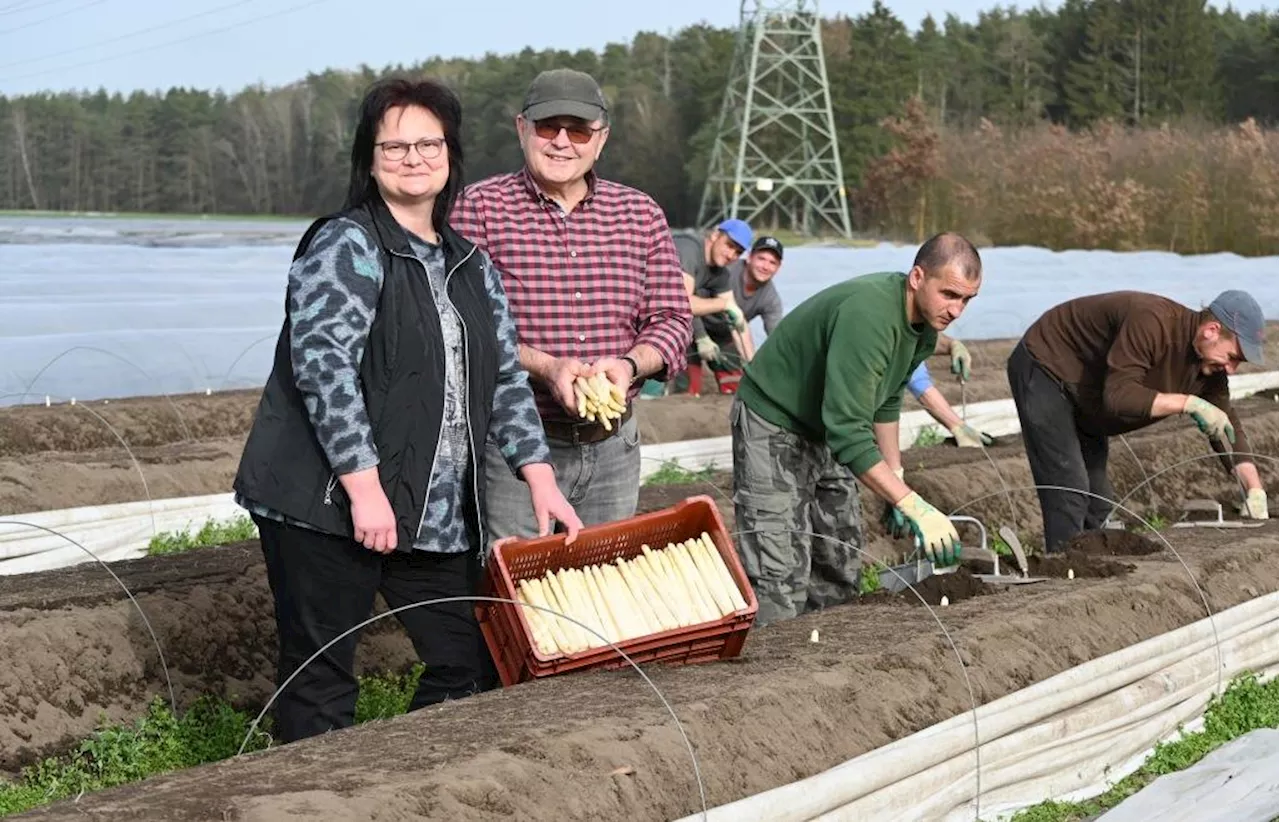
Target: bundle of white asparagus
599, 400
683, 584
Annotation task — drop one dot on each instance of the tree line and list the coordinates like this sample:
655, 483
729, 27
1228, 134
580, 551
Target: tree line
1135, 65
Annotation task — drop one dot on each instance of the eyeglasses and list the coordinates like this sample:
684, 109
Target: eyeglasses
429, 148
579, 133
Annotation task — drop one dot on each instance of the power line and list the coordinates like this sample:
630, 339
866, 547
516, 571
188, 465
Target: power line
52, 16
166, 44
128, 36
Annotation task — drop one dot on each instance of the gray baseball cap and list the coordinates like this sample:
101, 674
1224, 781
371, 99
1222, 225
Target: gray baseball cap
1240, 313
564, 93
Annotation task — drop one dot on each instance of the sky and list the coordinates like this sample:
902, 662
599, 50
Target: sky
124, 45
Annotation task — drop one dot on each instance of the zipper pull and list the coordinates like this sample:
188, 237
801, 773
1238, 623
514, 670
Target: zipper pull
328, 490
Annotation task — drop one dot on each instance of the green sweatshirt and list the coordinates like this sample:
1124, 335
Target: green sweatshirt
837, 363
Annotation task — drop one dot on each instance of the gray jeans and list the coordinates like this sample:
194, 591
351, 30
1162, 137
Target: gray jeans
601, 482
784, 488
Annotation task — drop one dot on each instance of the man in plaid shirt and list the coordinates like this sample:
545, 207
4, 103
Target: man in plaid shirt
594, 283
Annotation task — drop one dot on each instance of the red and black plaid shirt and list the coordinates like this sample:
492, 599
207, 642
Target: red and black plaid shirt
589, 284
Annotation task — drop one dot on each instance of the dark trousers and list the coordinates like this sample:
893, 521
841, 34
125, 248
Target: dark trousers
1059, 452
323, 585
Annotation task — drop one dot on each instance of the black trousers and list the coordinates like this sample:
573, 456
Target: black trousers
1059, 452
324, 585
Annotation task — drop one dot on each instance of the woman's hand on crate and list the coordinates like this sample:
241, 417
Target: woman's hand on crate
548, 501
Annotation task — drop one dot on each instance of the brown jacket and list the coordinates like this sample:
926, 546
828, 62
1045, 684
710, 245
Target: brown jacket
1114, 352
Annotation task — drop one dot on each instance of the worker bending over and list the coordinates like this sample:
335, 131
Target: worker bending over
818, 407
1107, 364
930, 398
705, 261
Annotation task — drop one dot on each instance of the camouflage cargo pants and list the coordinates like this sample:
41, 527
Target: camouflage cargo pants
784, 486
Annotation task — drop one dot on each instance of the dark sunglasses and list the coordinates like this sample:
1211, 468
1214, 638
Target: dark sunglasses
579, 133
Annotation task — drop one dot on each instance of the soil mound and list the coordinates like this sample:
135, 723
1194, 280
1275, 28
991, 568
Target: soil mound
1078, 564
1113, 543
958, 585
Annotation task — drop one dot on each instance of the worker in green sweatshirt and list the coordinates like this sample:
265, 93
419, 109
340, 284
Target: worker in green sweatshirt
817, 409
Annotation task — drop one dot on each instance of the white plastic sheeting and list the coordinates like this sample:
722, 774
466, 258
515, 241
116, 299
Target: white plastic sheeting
111, 532
1236, 783
1070, 735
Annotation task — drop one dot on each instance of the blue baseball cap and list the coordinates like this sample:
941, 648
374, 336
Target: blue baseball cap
738, 231
1240, 314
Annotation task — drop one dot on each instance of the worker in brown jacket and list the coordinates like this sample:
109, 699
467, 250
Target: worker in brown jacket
1106, 364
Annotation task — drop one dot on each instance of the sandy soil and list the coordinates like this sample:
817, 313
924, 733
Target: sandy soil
547, 750
599, 746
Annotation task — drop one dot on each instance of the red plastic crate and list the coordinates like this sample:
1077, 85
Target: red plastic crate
506, 628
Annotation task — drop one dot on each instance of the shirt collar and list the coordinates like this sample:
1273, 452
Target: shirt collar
531, 186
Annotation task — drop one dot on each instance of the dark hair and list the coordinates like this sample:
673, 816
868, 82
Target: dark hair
1206, 316
949, 248
395, 92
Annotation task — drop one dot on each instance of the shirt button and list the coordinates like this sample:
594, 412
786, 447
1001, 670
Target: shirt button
577, 295
573, 253
582, 338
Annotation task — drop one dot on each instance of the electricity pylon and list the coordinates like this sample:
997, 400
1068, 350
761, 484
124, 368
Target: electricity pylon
775, 160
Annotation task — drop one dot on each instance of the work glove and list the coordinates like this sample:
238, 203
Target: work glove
961, 360
707, 349
736, 317
1211, 419
969, 437
932, 530
1255, 505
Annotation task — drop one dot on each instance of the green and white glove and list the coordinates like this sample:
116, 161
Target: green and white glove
1211, 419
707, 349
961, 360
932, 530
969, 437
1255, 505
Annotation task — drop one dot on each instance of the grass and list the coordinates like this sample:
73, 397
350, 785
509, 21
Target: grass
209, 731
1156, 521
673, 473
212, 532
929, 436
1247, 704
869, 577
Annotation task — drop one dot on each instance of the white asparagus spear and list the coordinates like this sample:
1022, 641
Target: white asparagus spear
541, 637
612, 605
668, 591
582, 610
652, 596
644, 602
540, 598
710, 578
707, 609
626, 607
565, 607
731, 585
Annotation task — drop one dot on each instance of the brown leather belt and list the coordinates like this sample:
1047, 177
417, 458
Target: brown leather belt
583, 433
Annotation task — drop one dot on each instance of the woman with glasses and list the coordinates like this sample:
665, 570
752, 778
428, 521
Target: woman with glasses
397, 360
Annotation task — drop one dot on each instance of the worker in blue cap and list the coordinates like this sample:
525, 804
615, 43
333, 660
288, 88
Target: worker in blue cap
705, 261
